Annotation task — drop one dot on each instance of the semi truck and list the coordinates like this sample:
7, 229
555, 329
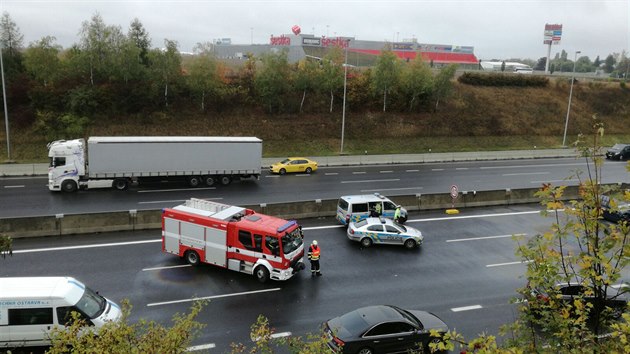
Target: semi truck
117, 162
232, 237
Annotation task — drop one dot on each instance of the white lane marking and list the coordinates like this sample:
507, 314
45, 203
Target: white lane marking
552, 181
390, 189
331, 173
359, 173
524, 174
466, 308
200, 347
16, 186
303, 175
166, 267
437, 169
373, 180
617, 286
280, 335
86, 246
412, 170
483, 238
445, 218
324, 227
388, 171
506, 264
272, 176
175, 190
530, 166
212, 297
461, 168
174, 201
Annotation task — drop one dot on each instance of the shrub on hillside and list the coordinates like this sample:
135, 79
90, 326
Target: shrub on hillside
519, 80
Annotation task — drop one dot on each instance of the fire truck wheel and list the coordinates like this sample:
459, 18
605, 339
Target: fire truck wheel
192, 257
69, 186
209, 180
225, 180
261, 273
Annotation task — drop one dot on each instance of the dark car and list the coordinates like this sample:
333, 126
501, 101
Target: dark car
382, 329
615, 211
618, 152
616, 299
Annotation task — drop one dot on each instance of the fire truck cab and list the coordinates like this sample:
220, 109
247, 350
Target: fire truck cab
233, 237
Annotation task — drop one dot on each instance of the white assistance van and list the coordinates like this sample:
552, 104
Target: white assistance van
30, 307
354, 208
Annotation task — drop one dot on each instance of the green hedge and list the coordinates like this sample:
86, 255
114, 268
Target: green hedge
484, 79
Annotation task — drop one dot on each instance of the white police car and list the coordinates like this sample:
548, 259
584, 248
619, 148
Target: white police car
381, 230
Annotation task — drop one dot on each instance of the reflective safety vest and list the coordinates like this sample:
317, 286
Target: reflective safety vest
313, 253
397, 213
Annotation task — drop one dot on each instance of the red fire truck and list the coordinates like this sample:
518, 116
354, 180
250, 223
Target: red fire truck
232, 237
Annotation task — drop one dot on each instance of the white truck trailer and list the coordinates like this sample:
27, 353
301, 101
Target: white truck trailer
117, 162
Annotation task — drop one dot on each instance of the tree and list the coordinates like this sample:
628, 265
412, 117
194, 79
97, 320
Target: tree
443, 85
41, 60
306, 80
584, 65
6, 246
564, 55
12, 39
386, 73
140, 37
332, 72
204, 76
124, 337
609, 64
577, 248
597, 62
541, 64
97, 46
273, 80
166, 66
417, 81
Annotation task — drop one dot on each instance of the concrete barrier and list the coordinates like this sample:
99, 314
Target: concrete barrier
60, 224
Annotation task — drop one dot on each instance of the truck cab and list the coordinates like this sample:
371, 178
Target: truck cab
67, 164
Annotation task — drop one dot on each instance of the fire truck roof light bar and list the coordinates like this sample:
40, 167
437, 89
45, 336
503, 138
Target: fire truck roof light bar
287, 225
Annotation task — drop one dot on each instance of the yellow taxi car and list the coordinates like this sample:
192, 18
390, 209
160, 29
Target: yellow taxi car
294, 164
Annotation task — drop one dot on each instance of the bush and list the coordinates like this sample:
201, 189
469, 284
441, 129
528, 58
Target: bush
519, 80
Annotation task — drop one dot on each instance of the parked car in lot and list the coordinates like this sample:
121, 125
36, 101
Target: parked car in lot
616, 299
382, 329
615, 211
294, 164
382, 230
618, 152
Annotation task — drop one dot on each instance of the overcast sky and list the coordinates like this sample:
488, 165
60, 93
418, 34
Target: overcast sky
496, 29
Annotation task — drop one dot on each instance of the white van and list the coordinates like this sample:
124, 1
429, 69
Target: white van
30, 307
354, 208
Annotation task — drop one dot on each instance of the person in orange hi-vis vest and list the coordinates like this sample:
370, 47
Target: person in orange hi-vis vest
313, 256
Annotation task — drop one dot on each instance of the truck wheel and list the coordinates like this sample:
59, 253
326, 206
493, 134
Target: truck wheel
120, 184
69, 186
194, 181
225, 180
192, 258
261, 273
209, 180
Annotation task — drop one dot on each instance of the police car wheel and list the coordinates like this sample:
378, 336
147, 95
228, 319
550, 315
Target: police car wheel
261, 273
366, 242
192, 257
410, 244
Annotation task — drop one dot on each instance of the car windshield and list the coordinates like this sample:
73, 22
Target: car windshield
291, 241
91, 303
406, 314
618, 146
285, 161
360, 223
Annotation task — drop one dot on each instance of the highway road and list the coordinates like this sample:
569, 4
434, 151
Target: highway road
30, 196
466, 273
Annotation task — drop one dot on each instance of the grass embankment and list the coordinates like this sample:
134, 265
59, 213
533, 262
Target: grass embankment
471, 119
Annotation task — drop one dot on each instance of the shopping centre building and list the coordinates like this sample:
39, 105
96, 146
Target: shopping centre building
360, 52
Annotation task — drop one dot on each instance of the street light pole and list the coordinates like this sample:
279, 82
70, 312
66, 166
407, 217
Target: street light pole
566, 122
343, 110
4, 99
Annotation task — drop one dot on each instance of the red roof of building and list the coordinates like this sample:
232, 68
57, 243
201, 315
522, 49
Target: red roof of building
446, 58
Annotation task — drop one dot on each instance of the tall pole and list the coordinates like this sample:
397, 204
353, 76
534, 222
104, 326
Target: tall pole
566, 122
343, 110
4, 99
